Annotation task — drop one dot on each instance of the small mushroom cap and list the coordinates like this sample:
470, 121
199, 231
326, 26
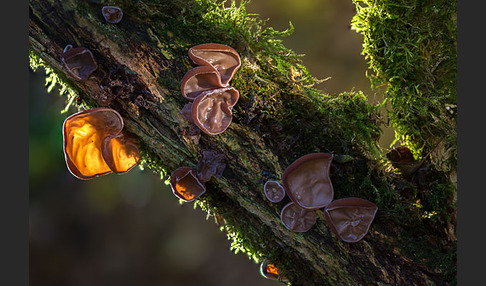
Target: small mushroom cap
222, 57
350, 218
79, 62
112, 14
199, 79
307, 181
211, 110
270, 271
296, 218
121, 153
274, 192
185, 185
84, 134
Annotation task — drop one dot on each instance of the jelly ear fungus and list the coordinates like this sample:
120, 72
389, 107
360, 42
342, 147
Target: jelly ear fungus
79, 62
185, 184
199, 79
274, 192
296, 218
350, 218
112, 14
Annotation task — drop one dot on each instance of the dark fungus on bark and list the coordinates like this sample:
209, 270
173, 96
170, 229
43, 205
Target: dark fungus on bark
210, 165
221, 57
350, 218
112, 14
185, 185
274, 192
270, 271
95, 144
296, 218
211, 110
307, 181
78, 62
199, 79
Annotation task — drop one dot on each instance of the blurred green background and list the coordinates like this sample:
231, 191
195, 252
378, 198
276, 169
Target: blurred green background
130, 229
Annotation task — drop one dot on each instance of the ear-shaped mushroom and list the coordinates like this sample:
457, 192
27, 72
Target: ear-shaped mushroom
112, 14
307, 182
223, 58
78, 62
211, 165
199, 79
350, 218
211, 110
296, 218
270, 271
274, 192
185, 185
93, 136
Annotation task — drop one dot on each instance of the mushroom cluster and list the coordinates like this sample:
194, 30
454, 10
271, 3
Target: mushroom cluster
307, 183
207, 85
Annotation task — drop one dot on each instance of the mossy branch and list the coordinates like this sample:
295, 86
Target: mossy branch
279, 117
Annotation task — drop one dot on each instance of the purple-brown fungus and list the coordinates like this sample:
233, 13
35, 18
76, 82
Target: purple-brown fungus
185, 185
199, 79
210, 165
211, 110
296, 218
307, 181
223, 58
78, 62
350, 218
112, 14
274, 192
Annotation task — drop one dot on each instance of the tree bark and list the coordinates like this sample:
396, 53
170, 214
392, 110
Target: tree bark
141, 61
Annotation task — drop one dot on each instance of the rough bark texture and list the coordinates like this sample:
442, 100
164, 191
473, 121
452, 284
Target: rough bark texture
278, 119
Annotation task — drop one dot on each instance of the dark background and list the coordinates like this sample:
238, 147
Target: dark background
130, 229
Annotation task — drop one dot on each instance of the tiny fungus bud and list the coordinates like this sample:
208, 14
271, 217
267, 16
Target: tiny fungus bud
211, 165
185, 185
350, 218
296, 218
112, 14
95, 145
270, 271
211, 110
199, 79
223, 58
274, 191
78, 62
307, 181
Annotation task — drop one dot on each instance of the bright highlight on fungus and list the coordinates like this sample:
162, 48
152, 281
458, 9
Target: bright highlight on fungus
185, 185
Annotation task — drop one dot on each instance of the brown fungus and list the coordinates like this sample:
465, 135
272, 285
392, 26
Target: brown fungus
79, 62
112, 14
296, 218
307, 181
274, 192
270, 271
350, 218
95, 145
211, 165
185, 185
199, 79
223, 58
211, 110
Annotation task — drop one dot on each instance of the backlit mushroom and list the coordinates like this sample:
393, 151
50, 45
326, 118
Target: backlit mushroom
112, 14
95, 145
350, 218
296, 218
307, 181
199, 79
223, 58
274, 192
211, 110
270, 271
78, 62
185, 185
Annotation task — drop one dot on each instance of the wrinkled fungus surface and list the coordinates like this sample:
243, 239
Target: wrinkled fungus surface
350, 218
211, 110
78, 62
274, 192
112, 14
210, 165
185, 185
95, 145
199, 79
296, 218
223, 58
307, 181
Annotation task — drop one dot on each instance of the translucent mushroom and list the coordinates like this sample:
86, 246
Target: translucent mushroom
199, 79
112, 14
296, 218
222, 57
350, 218
78, 62
306, 181
185, 185
274, 192
270, 271
95, 145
